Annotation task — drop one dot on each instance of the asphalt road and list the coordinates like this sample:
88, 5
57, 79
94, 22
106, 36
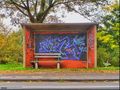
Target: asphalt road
61, 85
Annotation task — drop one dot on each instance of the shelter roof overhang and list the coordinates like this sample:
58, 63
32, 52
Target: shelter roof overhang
58, 27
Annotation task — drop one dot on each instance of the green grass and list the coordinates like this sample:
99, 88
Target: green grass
107, 68
20, 67
13, 67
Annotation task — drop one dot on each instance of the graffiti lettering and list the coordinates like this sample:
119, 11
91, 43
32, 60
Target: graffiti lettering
71, 46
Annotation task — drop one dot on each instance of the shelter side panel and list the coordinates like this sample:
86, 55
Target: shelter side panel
29, 48
91, 47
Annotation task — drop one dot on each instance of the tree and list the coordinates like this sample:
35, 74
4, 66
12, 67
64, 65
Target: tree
38, 10
108, 35
4, 32
10, 44
11, 47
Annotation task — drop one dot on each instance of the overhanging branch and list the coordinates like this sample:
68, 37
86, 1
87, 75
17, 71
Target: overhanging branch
73, 9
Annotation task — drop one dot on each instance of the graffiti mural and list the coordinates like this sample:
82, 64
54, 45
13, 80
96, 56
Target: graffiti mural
71, 46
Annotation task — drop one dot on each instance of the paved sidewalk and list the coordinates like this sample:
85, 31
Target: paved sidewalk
61, 76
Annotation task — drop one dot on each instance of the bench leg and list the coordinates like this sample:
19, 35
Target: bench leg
58, 65
36, 65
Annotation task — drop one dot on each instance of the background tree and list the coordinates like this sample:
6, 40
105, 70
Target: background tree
108, 37
10, 44
39, 10
11, 48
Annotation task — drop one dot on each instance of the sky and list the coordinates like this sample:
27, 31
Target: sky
71, 17
74, 18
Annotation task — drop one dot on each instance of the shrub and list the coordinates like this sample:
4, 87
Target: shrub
102, 56
107, 58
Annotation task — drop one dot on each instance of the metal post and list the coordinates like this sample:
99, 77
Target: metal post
36, 65
58, 65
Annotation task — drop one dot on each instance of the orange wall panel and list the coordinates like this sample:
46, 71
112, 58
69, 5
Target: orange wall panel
29, 48
91, 47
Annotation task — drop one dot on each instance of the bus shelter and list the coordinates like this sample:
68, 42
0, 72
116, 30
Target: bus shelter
71, 45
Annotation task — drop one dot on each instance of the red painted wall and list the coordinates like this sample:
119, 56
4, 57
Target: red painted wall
63, 64
91, 46
29, 48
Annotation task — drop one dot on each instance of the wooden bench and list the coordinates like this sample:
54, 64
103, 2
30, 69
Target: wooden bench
46, 55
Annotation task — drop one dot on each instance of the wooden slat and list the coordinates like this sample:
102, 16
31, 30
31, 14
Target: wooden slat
45, 61
95, 45
87, 62
24, 47
47, 54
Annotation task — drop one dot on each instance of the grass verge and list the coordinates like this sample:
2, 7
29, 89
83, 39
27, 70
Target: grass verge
13, 67
20, 67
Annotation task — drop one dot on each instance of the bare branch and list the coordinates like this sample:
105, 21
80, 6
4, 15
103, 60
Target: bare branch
77, 11
42, 5
65, 2
27, 3
47, 11
23, 3
18, 5
21, 10
35, 6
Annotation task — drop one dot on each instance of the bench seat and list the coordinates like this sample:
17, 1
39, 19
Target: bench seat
46, 55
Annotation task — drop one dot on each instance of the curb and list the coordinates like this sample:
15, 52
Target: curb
53, 80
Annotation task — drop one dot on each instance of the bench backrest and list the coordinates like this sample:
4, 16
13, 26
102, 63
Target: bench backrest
47, 54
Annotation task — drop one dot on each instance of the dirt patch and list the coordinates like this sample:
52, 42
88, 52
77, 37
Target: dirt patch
59, 72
